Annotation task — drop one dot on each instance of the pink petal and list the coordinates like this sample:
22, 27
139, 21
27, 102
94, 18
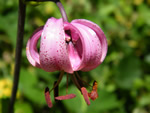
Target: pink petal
74, 50
74, 56
31, 49
99, 33
53, 52
91, 49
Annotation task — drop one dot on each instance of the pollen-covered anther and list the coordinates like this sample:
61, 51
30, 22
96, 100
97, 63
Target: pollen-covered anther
65, 97
85, 95
48, 98
93, 94
67, 39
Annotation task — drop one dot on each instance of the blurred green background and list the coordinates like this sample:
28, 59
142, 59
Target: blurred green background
123, 78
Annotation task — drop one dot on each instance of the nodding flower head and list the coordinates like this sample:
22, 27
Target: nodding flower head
68, 47
79, 45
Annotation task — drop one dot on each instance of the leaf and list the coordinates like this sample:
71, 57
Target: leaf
144, 100
28, 85
4, 105
106, 10
127, 71
106, 101
10, 26
78, 105
23, 107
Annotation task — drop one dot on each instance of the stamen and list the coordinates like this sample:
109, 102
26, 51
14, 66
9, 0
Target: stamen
93, 95
56, 91
65, 97
47, 97
67, 84
59, 80
75, 81
68, 37
79, 78
95, 85
85, 95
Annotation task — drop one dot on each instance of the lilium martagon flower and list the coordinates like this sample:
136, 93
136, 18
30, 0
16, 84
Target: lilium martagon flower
68, 47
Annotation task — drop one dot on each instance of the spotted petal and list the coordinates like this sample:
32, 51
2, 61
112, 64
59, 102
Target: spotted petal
85, 50
53, 52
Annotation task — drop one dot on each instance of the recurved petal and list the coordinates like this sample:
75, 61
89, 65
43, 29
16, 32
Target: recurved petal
92, 50
31, 48
53, 52
74, 47
99, 33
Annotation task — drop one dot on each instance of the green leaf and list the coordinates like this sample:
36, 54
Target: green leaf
78, 104
127, 71
4, 105
144, 100
23, 107
106, 101
28, 85
10, 26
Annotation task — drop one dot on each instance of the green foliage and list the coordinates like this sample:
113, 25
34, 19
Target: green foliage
23, 107
123, 78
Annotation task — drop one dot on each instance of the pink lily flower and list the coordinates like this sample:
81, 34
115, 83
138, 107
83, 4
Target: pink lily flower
79, 45
68, 47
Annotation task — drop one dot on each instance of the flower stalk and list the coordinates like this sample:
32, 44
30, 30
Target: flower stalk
21, 22
62, 10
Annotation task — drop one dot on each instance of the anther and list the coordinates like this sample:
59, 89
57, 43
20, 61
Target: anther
47, 97
85, 95
65, 97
